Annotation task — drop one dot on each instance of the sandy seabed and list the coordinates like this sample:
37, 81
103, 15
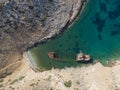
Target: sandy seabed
92, 77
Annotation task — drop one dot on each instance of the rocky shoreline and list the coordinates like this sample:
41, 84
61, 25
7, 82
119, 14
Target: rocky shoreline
75, 15
24, 23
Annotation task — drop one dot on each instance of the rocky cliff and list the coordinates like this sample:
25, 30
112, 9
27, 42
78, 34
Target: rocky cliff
26, 22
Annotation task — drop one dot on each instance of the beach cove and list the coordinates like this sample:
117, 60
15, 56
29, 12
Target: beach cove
95, 32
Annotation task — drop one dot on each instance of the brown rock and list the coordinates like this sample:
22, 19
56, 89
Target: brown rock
52, 55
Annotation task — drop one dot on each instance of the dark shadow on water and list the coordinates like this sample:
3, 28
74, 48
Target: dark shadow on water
86, 62
115, 32
103, 7
99, 36
107, 1
76, 49
117, 25
76, 43
99, 22
113, 14
68, 62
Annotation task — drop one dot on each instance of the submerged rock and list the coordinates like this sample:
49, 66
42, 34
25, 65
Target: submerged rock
83, 57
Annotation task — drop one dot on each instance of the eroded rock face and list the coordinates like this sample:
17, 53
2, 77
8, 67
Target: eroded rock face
26, 22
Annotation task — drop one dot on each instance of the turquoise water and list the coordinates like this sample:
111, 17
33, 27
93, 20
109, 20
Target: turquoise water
96, 32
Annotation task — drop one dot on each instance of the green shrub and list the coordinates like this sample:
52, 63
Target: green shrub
14, 81
68, 83
32, 84
21, 77
1, 85
1, 80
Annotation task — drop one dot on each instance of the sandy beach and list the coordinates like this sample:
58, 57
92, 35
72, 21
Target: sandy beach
92, 77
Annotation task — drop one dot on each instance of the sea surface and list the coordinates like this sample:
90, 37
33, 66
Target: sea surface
96, 32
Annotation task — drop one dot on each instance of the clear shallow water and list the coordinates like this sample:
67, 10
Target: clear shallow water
95, 32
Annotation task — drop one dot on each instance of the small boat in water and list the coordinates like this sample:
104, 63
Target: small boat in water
82, 57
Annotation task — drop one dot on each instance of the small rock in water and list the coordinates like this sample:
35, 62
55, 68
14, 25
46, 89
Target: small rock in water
83, 57
53, 55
